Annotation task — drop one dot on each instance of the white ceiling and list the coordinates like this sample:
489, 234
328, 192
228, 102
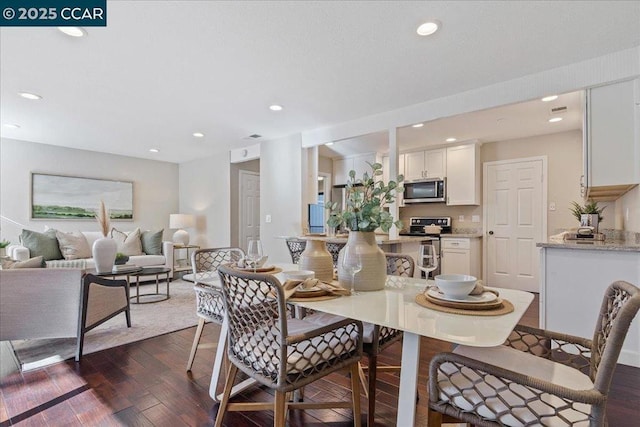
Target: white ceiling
504, 123
162, 70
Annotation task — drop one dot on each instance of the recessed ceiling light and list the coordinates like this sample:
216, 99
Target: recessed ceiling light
428, 27
451, 139
329, 143
154, 150
275, 107
198, 134
549, 98
11, 126
555, 119
417, 125
28, 95
73, 31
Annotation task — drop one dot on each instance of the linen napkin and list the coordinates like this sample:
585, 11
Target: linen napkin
291, 286
480, 289
247, 263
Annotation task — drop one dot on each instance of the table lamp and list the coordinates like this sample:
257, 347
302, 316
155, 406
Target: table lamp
180, 221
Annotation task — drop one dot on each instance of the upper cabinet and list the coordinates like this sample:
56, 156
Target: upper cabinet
425, 164
358, 163
463, 175
611, 144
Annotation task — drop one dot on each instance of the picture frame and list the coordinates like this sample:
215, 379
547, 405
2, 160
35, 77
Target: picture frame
64, 197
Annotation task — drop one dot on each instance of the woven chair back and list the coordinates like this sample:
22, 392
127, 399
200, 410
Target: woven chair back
205, 263
334, 249
258, 340
400, 265
619, 306
296, 247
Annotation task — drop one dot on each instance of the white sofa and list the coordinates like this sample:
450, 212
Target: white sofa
22, 253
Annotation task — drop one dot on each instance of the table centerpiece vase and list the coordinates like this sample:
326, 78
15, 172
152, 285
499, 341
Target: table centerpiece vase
317, 258
362, 213
373, 274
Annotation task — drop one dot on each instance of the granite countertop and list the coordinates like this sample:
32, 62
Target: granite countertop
381, 239
606, 245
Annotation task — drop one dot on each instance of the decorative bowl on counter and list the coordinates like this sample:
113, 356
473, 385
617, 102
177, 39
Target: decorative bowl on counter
455, 285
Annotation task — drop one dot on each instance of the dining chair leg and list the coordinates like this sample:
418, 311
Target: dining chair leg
279, 410
231, 377
371, 412
434, 419
363, 380
196, 341
355, 395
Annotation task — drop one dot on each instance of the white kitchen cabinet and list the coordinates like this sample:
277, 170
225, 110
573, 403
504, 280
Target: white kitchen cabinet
358, 163
573, 282
460, 256
425, 164
611, 145
463, 175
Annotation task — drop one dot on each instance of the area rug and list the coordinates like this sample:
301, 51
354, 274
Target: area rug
147, 320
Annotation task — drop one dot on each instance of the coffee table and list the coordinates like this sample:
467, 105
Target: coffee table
150, 271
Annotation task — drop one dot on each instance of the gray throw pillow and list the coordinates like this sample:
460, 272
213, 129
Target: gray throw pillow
152, 242
36, 262
41, 244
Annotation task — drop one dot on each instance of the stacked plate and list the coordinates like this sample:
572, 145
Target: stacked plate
485, 301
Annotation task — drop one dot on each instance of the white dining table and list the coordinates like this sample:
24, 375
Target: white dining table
395, 307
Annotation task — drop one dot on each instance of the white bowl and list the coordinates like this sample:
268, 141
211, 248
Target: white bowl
455, 285
298, 274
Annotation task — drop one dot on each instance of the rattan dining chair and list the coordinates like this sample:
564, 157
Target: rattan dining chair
537, 377
334, 249
281, 352
209, 306
296, 247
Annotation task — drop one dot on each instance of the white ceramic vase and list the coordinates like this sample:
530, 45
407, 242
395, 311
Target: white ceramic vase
104, 254
373, 275
317, 258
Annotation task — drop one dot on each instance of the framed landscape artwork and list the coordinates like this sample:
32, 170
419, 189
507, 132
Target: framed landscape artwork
69, 197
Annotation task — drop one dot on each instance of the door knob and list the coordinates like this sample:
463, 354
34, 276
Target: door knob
490, 233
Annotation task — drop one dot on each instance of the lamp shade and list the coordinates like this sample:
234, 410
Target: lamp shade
181, 221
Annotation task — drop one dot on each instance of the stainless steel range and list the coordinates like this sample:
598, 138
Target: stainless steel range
417, 228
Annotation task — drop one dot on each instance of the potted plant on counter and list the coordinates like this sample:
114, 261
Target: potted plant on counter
364, 212
588, 215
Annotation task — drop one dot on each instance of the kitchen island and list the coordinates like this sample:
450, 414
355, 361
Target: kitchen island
574, 276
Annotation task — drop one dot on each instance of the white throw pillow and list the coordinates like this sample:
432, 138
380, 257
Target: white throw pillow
73, 245
128, 244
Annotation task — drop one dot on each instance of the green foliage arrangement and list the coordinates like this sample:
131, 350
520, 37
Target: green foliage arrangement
590, 207
4, 243
365, 202
120, 255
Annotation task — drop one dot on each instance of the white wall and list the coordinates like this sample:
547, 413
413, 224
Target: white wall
280, 194
205, 191
155, 186
612, 67
628, 211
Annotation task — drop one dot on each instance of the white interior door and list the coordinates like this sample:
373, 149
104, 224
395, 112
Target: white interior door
249, 207
515, 197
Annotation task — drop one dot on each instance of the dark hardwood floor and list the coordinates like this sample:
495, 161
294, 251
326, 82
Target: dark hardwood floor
145, 384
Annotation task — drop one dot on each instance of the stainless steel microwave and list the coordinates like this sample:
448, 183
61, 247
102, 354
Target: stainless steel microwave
425, 191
